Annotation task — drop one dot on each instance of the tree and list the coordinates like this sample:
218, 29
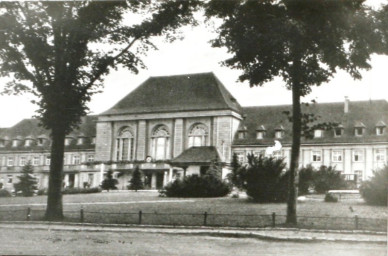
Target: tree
236, 176
27, 182
136, 183
61, 50
109, 183
303, 42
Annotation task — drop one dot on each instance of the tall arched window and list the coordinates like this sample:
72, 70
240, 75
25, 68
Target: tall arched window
198, 135
124, 145
160, 143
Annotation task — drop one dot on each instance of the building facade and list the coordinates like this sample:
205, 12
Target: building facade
174, 126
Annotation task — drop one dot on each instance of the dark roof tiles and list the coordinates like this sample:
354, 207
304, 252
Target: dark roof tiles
190, 92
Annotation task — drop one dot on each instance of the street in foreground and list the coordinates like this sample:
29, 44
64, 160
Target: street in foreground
61, 242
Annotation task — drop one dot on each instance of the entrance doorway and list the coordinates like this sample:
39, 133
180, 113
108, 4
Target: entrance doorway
71, 180
159, 180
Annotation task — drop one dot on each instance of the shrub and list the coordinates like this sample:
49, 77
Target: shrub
197, 186
68, 191
27, 182
5, 193
331, 198
264, 179
375, 190
327, 178
136, 183
109, 183
42, 192
306, 180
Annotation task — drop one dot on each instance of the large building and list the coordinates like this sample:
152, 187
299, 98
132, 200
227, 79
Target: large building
174, 126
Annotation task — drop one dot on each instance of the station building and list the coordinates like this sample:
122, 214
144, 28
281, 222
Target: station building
172, 126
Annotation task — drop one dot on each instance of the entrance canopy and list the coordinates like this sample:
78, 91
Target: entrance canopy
202, 156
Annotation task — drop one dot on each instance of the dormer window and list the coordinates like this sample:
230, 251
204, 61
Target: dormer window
380, 128
260, 132
279, 132
94, 140
15, 143
242, 132
359, 129
68, 141
40, 142
338, 131
27, 143
2, 144
80, 141
318, 133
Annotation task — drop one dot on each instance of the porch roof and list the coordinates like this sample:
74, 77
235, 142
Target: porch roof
196, 156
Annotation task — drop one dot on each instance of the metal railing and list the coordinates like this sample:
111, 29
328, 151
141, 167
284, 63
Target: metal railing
201, 219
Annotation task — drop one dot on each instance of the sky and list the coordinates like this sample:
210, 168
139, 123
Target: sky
194, 54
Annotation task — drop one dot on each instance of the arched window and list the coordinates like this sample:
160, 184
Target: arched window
160, 143
124, 145
198, 135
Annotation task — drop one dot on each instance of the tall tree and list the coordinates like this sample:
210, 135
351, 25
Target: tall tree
27, 182
303, 42
61, 50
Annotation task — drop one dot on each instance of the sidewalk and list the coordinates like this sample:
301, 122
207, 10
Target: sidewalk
279, 234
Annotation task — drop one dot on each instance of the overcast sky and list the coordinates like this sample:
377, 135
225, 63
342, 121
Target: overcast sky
194, 54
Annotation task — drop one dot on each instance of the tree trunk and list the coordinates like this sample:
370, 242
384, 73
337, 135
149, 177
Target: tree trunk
296, 134
54, 210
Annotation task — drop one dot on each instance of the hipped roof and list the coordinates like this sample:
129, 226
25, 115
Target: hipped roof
190, 92
196, 156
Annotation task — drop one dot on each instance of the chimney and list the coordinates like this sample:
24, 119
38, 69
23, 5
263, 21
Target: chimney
346, 106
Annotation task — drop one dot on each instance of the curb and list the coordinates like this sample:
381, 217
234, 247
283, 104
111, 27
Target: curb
205, 231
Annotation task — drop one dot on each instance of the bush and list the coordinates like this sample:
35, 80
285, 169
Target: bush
331, 198
197, 186
375, 190
264, 179
5, 193
42, 192
235, 177
327, 178
69, 191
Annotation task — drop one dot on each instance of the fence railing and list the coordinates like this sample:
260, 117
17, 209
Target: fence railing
201, 219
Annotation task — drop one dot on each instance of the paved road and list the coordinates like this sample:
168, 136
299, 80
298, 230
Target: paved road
64, 242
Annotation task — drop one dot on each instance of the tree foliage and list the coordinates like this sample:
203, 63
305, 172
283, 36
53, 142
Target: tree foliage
60, 51
327, 178
303, 42
375, 190
136, 182
236, 175
109, 183
27, 182
263, 179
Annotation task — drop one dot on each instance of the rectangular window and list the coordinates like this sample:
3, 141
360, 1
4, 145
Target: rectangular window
35, 160
279, 134
358, 131
318, 133
379, 130
9, 179
358, 155
380, 155
90, 158
337, 156
277, 154
240, 157
22, 161
76, 159
10, 161
48, 160
241, 135
317, 156
338, 132
260, 135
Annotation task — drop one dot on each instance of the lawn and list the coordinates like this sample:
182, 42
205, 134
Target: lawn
124, 207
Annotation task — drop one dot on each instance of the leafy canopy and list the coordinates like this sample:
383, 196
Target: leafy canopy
61, 50
267, 37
